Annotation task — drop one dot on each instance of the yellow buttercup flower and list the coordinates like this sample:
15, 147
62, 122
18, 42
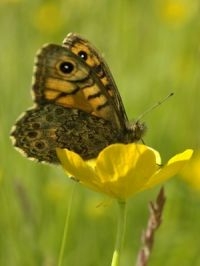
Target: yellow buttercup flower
122, 170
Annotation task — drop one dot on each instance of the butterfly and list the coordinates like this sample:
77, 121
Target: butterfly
77, 105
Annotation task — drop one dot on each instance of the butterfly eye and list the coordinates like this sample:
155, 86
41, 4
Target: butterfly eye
66, 67
83, 55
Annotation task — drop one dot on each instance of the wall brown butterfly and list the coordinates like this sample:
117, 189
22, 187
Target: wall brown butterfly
77, 105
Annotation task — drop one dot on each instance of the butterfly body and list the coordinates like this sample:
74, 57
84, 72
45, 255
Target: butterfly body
77, 105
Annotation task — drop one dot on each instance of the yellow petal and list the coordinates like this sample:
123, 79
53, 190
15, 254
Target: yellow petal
76, 167
174, 165
124, 169
74, 164
191, 173
157, 154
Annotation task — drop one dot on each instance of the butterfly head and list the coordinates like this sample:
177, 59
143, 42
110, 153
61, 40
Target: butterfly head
139, 129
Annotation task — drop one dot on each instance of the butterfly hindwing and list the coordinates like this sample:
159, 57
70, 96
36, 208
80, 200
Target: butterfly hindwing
43, 129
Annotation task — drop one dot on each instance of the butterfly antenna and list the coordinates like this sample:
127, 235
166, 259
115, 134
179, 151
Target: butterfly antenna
155, 106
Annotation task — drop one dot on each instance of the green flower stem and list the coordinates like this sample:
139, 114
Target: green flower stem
120, 233
62, 248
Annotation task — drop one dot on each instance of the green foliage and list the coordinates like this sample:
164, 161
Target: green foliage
153, 49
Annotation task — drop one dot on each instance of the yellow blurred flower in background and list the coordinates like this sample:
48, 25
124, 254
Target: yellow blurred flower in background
122, 170
48, 17
176, 12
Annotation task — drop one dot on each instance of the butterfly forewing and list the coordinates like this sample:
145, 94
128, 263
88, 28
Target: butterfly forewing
61, 77
58, 78
88, 53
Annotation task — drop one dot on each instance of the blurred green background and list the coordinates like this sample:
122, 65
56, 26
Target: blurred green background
152, 48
